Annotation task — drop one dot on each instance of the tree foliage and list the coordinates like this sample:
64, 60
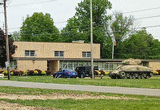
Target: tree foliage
3, 56
16, 36
118, 29
140, 45
39, 27
78, 27
121, 26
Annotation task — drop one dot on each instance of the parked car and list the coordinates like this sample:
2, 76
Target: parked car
65, 73
85, 71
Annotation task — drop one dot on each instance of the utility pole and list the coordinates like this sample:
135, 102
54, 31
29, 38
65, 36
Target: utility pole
7, 42
92, 65
112, 49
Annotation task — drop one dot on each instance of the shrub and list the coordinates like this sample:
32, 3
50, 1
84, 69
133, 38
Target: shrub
106, 72
43, 72
5, 72
48, 72
97, 72
25, 72
35, 73
20, 73
30, 72
15, 73
12, 73
155, 72
39, 71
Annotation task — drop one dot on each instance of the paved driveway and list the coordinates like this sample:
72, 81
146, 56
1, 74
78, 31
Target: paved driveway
104, 89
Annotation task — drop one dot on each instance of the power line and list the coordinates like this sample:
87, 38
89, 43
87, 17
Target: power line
31, 3
87, 28
141, 10
149, 17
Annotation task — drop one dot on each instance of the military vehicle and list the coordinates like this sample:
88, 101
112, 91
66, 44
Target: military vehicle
131, 69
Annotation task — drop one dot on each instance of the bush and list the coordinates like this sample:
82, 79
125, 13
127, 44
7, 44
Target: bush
25, 72
20, 73
155, 72
30, 72
97, 72
48, 72
12, 73
39, 71
15, 73
35, 73
5, 72
43, 72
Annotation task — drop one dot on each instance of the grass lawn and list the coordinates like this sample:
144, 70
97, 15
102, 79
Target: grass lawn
153, 82
93, 104
143, 102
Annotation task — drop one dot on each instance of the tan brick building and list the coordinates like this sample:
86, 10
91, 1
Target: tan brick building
53, 56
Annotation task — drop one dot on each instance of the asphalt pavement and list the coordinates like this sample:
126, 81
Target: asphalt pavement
90, 88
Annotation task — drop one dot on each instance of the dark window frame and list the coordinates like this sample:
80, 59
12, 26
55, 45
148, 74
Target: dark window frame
29, 53
86, 54
59, 53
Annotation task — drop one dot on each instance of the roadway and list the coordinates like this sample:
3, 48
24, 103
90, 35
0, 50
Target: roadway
90, 88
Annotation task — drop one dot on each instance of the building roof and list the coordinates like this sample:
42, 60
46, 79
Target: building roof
81, 59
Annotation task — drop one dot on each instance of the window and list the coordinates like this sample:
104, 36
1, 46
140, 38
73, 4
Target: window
86, 54
29, 52
59, 53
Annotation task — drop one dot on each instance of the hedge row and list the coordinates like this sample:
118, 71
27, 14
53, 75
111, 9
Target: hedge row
35, 72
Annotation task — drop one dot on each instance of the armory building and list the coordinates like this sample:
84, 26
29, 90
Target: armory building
53, 56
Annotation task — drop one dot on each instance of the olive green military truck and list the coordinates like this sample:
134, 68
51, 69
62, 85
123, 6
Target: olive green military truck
131, 69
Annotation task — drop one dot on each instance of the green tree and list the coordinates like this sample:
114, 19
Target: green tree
3, 57
16, 36
121, 26
39, 27
78, 27
141, 45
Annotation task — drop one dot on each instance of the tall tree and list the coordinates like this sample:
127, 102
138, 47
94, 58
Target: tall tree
39, 27
141, 45
3, 56
78, 27
119, 28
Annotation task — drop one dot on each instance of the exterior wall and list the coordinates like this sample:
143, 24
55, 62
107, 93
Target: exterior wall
47, 49
154, 65
31, 65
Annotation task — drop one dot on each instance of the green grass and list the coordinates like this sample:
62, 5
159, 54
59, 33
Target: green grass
90, 104
153, 82
143, 102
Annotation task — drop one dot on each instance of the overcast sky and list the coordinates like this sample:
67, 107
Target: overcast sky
62, 10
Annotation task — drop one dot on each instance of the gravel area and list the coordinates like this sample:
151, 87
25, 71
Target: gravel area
54, 96
14, 106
